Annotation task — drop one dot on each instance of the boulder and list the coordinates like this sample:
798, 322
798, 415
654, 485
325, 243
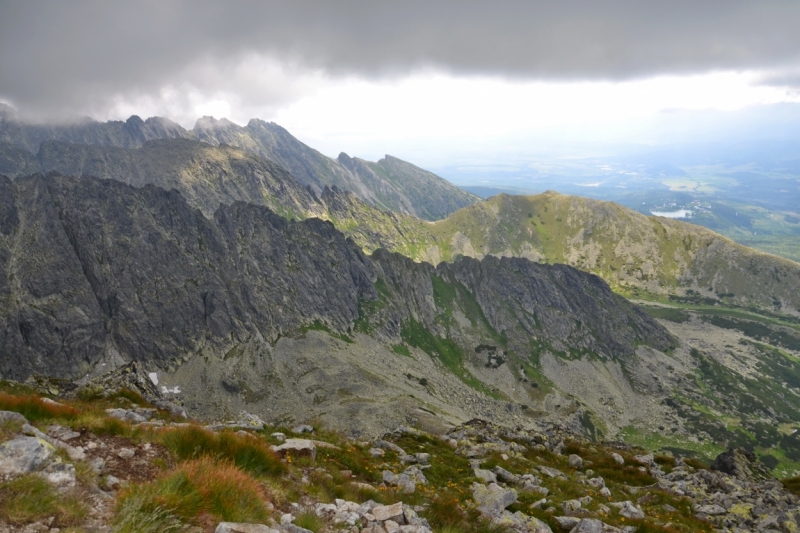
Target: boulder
628, 510
592, 525
486, 476
618, 458
711, 510
389, 512
567, 522
523, 523
551, 472
741, 464
24, 455
232, 527
492, 500
297, 448
59, 474
11, 416
386, 445
575, 461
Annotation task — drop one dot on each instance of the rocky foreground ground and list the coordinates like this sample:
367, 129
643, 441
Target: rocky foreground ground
111, 461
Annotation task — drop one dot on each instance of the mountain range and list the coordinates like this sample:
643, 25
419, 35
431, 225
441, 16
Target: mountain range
267, 277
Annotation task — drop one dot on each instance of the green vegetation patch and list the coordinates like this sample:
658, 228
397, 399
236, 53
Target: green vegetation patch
445, 350
30, 498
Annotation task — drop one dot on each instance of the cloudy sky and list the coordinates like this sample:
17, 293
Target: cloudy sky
431, 81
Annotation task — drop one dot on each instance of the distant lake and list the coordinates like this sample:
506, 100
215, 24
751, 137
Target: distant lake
680, 213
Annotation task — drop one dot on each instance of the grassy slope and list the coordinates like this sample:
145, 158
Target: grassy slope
206, 477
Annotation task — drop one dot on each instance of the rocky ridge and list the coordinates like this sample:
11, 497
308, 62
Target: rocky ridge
390, 184
142, 276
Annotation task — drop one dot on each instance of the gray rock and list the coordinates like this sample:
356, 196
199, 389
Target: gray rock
388, 512
492, 500
628, 510
112, 482
291, 528
486, 476
567, 522
386, 445
303, 428
11, 416
575, 461
252, 421
376, 452
570, 505
618, 458
597, 482
711, 510
231, 527
59, 474
551, 472
523, 523
127, 415
279, 436
297, 448
644, 459
126, 453
592, 525
24, 455
742, 464
506, 476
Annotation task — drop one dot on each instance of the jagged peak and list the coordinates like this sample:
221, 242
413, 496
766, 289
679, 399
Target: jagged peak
208, 122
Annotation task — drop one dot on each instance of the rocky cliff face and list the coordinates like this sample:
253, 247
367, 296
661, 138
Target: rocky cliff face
94, 272
390, 184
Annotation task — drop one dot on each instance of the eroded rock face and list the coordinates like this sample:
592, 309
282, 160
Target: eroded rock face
95, 270
741, 464
23, 455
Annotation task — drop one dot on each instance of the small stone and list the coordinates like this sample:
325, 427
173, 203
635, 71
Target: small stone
618, 458
280, 437
391, 526
297, 448
492, 500
11, 416
112, 482
711, 510
287, 518
376, 452
126, 453
231, 527
566, 522
59, 474
303, 428
387, 512
575, 461
644, 459
571, 505
23, 455
605, 492
485, 476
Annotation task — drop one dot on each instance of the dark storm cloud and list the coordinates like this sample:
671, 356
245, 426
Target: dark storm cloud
59, 54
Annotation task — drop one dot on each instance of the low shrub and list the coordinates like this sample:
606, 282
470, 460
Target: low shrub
34, 408
30, 498
250, 454
309, 520
200, 488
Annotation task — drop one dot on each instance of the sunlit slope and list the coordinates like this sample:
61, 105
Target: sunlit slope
631, 251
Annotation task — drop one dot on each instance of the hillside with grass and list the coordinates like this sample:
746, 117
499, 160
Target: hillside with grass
635, 254
107, 459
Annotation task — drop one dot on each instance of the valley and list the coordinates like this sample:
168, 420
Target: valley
212, 265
